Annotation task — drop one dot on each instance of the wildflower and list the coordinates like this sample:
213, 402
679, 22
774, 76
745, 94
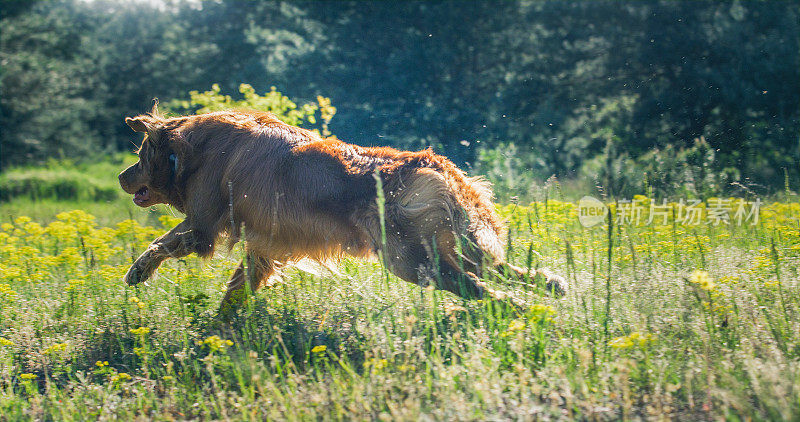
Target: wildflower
56, 348
141, 331
376, 364
22, 220
516, 325
6, 293
539, 312
33, 229
122, 376
319, 349
69, 257
101, 364
61, 231
74, 284
112, 272
6, 342
621, 342
27, 376
133, 299
702, 279
167, 378
216, 344
633, 339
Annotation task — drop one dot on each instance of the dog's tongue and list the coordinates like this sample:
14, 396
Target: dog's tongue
141, 196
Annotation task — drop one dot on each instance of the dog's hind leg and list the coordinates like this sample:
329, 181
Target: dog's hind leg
407, 255
459, 282
542, 278
257, 270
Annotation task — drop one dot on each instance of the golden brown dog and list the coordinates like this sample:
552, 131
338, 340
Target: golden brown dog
297, 196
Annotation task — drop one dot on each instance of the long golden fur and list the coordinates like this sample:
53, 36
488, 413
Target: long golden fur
296, 195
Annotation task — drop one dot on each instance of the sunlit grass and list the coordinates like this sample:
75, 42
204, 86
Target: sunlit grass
702, 322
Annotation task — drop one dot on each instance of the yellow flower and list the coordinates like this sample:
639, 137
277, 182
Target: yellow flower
27, 376
61, 231
702, 279
216, 344
376, 364
6, 293
140, 331
6, 342
69, 257
33, 229
633, 339
122, 376
74, 284
516, 325
133, 299
101, 364
22, 220
56, 348
319, 349
541, 312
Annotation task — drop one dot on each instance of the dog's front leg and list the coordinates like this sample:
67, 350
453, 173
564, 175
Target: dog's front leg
176, 243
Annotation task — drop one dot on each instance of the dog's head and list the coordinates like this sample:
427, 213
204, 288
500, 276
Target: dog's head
155, 178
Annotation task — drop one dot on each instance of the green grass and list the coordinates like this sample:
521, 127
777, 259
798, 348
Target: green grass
41, 192
649, 340
66, 180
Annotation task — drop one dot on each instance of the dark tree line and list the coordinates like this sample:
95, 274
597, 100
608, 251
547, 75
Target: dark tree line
569, 84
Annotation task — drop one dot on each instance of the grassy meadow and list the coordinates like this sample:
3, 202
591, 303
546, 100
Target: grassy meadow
661, 322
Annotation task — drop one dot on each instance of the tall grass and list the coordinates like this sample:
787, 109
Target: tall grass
668, 321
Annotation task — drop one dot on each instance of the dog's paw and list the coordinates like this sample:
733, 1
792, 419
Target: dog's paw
553, 284
136, 274
556, 285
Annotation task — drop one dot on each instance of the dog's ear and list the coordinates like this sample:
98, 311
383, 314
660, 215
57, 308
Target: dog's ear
149, 125
144, 124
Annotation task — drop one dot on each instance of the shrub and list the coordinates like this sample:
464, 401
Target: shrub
272, 101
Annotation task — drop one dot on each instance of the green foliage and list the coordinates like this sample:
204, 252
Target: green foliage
273, 101
47, 85
513, 172
687, 172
